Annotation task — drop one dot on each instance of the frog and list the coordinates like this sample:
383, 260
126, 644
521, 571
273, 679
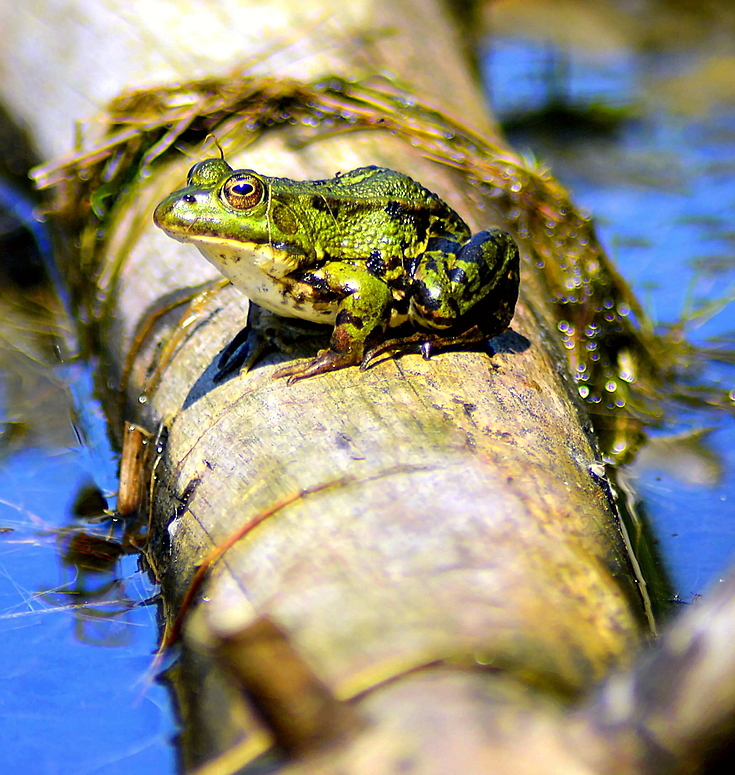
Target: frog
368, 252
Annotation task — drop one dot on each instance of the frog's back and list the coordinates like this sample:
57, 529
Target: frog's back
386, 185
361, 213
371, 185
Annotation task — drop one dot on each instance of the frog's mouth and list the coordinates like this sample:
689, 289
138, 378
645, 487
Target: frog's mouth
236, 250
196, 231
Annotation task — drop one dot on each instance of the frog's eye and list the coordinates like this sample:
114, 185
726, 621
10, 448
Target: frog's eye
242, 191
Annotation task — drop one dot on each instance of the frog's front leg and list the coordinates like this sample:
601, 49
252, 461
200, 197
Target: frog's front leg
450, 279
363, 304
265, 331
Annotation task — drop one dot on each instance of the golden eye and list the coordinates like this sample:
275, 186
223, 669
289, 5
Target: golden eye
242, 191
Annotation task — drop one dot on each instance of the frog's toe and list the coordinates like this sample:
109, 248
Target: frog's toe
395, 347
424, 342
240, 354
327, 360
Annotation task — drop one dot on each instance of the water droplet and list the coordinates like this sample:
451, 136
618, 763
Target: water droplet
626, 376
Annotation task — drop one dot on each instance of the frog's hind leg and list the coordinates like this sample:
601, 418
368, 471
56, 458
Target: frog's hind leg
423, 342
478, 279
461, 295
498, 294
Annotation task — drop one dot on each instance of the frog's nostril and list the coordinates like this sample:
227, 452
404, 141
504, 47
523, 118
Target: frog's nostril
190, 199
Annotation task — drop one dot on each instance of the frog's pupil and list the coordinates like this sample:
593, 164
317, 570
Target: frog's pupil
243, 189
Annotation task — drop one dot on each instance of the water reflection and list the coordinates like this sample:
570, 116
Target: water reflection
67, 585
634, 109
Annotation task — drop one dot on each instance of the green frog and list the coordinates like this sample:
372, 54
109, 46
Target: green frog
366, 251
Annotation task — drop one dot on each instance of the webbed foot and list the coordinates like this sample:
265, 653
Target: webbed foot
326, 360
424, 342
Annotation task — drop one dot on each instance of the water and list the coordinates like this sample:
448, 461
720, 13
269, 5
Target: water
73, 695
660, 185
75, 644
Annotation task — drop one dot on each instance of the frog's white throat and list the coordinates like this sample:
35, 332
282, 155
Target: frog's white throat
257, 271
233, 257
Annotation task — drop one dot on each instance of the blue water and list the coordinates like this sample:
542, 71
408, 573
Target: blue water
683, 224
662, 191
74, 694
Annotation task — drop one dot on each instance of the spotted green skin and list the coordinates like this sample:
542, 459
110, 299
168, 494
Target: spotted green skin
364, 251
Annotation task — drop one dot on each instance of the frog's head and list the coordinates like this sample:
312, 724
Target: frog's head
222, 206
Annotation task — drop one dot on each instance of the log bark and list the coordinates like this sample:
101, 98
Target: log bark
441, 557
